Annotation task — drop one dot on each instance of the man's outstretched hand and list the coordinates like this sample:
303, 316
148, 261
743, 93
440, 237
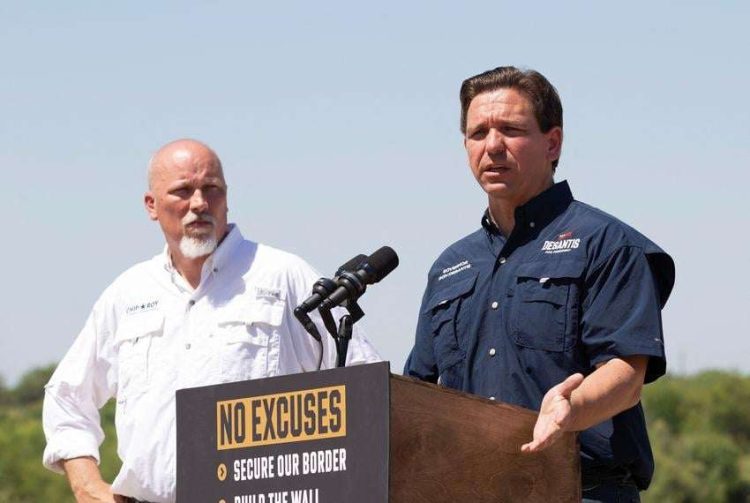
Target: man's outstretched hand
554, 415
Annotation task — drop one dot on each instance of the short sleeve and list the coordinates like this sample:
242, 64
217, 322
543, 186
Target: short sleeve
421, 360
621, 313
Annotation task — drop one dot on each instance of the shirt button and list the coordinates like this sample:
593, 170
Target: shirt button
494, 305
187, 346
502, 260
492, 351
191, 303
216, 269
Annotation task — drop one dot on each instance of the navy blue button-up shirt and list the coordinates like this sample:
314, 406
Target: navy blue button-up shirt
571, 287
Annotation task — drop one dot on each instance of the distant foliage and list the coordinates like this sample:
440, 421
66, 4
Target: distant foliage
23, 479
699, 428
31, 387
700, 433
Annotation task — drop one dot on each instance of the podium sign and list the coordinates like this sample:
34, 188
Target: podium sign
359, 434
319, 437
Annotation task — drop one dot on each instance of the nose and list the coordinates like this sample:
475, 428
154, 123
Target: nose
198, 203
495, 142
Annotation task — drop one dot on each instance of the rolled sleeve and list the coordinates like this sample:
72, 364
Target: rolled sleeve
80, 386
622, 311
69, 444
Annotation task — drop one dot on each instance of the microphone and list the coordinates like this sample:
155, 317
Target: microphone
322, 289
325, 287
352, 284
352, 264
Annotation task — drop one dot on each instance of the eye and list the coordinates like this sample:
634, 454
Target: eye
513, 131
212, 189
478, 134
182, 192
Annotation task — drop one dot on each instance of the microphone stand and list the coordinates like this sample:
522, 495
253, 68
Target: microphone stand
343, 334
323, 287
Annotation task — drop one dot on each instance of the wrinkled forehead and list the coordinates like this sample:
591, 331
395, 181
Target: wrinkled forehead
507, 100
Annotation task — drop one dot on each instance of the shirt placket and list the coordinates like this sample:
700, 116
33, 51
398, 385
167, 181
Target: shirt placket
496, 349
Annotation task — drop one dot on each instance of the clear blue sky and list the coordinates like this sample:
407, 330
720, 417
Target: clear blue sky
337, 123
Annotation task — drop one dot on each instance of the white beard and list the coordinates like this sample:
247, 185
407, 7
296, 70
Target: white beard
198, 246
192, 247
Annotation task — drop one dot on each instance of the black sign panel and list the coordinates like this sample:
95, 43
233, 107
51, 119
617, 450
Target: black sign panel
318, 437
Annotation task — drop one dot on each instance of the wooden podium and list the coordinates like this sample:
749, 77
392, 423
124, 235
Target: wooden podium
360, 435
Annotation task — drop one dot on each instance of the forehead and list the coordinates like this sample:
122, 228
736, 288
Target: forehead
506, 103
185, 165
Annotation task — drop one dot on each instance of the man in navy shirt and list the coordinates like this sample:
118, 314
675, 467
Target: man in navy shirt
552, 304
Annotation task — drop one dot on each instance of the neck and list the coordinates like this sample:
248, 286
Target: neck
502, 214
503, 211
189, 268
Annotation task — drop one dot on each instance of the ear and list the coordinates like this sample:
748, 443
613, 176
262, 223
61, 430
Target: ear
150, 203
554, 143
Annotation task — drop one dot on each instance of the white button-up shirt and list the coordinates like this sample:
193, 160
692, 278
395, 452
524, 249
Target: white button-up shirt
150, 334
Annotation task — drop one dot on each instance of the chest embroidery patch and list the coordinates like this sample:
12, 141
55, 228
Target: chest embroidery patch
454, 269
563, 243
269, 293
142, 307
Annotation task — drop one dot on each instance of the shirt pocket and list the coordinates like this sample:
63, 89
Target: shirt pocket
134, 338
444, 307
245, 331
544, 305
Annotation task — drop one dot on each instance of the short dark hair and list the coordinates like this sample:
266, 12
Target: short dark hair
545, 102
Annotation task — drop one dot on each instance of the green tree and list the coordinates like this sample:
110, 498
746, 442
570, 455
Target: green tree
23, 479
700, 429
30, 388
5, 395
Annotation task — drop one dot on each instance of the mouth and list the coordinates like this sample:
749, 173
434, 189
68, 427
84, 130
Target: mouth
200, 223
199, 227
497, 169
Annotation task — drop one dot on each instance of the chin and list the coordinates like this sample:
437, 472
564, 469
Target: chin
499, 190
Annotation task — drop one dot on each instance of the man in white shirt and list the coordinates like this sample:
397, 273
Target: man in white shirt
212, 308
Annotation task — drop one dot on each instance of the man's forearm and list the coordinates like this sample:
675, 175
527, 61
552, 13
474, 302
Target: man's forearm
612, 388
86, 480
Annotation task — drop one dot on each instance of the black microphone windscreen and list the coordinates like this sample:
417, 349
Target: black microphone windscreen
352, 264
381, 263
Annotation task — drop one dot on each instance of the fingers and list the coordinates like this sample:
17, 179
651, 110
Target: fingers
532, 446
569, 385
528, 447
545, 434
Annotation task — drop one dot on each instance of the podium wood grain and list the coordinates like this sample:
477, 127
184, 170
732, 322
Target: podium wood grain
447, 446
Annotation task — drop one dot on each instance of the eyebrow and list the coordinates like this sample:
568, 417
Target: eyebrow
183, 183
503, 122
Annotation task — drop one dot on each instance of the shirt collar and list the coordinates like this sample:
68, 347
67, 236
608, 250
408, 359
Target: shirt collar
223, 254
538, 211
488, 224
219, 258
545, 207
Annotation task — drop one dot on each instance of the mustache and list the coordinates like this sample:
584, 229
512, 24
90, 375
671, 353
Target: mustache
198, 217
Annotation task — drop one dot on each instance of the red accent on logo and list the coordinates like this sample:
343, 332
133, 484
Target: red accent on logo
565, 235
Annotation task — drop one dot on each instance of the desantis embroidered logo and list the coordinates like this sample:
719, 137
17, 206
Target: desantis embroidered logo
563, 243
